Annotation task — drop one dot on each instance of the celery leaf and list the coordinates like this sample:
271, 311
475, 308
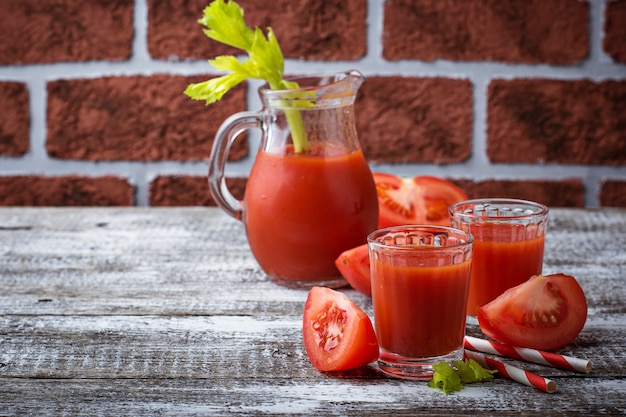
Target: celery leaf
449, 379
225, 24
445, 378
471, 371
214, 89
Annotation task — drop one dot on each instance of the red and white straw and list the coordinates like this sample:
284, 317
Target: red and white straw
531, 355
513, 373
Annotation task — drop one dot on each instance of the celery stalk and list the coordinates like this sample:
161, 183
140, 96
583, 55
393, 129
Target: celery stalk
298, 134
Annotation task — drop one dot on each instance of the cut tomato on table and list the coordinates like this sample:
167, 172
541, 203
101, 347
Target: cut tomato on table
545, 313
354, 265
417, 200
337, 334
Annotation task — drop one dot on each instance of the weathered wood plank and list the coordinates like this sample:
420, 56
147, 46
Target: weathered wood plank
211, 347
258, 396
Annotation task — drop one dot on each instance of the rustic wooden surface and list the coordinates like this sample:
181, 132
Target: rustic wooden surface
150, 311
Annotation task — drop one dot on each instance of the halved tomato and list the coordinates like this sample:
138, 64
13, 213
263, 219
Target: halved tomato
417, 200
354, 265
545, 313
337, 334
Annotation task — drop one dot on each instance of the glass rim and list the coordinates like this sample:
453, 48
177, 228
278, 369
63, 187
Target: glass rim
371, 238
316, 92
334, 79
542, 209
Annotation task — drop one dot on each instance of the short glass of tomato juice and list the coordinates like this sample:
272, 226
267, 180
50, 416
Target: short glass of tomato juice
420, 281
508, 247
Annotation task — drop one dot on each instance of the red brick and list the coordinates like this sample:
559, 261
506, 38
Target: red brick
614, 41
184, 190
561, 193
65, 191
613, 193
328, 30
415, 119
533, 31
14, 119
135, 118
557, 121
44, 31
174, 31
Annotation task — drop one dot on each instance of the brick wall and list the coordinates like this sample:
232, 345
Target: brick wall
520, 98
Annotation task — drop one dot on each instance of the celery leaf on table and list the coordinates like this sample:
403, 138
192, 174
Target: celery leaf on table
446, 378
471, 371
449, 379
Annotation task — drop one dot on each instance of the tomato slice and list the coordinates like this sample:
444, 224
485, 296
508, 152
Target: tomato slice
546, 313
354, 265
337, 334
417, 200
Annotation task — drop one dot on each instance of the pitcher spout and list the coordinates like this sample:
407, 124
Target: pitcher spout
326, 91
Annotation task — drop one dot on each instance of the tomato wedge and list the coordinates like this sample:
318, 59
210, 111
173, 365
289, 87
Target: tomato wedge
354, 265
337, 334
545, 313
417, 200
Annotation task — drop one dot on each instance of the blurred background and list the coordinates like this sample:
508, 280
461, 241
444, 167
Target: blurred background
515, 98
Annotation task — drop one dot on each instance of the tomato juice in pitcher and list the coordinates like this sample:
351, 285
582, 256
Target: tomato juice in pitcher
302, 211
305, 202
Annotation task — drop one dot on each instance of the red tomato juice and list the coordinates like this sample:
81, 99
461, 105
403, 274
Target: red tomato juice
419, 311
505, 255
303, 210
498, 266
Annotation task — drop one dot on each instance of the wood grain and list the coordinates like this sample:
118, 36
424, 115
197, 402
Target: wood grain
145, 311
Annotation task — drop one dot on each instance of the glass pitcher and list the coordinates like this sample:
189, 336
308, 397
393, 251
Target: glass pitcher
305, 201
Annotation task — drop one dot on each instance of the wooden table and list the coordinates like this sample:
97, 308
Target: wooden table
163, 311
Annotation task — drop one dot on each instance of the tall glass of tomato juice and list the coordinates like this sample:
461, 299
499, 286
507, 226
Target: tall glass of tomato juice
420, 281
509, 244
303, 204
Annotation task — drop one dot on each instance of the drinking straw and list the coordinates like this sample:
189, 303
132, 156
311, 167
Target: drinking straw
513, 373
531, 355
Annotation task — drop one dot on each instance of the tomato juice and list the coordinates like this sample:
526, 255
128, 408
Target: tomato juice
500, 265
301, 211
509, 236
419, 311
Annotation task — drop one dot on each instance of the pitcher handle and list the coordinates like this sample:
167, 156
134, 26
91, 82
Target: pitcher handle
226, 135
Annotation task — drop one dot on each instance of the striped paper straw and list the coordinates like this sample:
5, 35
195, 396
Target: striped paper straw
513, 373
531, 355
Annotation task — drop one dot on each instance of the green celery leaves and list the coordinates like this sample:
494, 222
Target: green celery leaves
449, 379
225, 23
